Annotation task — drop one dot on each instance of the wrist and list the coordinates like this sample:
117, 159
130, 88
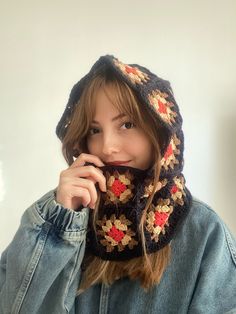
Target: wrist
59, 204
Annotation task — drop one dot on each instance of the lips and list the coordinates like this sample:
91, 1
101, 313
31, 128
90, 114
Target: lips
117, 163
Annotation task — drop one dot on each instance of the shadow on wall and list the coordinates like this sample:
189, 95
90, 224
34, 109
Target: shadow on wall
224, 159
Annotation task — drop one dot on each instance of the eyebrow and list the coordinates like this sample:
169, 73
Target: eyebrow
121, 115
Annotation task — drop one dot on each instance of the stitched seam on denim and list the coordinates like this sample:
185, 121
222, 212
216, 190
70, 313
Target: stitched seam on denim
230, 245
73, 236
198, 202
71, 274
233, 311
104, 299
36, 217
30, 270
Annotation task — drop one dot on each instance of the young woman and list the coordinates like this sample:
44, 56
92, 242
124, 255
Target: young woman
121, 233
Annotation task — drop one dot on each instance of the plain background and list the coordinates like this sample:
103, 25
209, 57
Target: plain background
47, 46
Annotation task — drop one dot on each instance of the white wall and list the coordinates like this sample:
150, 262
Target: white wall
46, 46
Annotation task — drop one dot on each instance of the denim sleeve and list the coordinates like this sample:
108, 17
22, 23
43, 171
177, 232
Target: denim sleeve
40, 269
215, 290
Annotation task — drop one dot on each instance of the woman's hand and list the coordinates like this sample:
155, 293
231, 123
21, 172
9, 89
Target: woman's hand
77, 183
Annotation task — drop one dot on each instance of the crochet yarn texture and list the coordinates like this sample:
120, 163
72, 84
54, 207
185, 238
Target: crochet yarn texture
116, 237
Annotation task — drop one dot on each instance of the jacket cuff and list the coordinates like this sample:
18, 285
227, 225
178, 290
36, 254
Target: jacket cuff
63, 219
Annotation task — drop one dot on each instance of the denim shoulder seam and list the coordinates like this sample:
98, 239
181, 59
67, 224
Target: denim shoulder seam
229, 240
230, 244
205, 205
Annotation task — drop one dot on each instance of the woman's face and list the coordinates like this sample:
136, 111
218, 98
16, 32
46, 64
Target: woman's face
114, 138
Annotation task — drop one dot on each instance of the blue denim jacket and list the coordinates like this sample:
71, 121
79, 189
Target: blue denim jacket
40, 269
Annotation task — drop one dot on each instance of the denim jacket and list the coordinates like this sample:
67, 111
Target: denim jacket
40, 269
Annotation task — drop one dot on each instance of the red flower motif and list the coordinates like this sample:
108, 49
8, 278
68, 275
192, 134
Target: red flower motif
168, 152
116, 234
162, 107
118, 187
130, 70
174, 189
160, 219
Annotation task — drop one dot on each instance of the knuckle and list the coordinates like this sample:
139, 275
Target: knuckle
82, 156
103, 179
90, 184
91, 168
62, 176
62, 173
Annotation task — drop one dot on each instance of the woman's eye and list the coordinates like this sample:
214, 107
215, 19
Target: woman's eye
128, 125
92, 131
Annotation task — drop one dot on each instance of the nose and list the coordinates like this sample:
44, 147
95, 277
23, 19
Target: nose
111, 144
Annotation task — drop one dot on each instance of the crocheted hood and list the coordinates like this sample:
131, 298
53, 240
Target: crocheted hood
156, 94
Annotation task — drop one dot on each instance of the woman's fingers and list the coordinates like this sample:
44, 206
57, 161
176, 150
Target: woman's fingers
77, 183
90, 172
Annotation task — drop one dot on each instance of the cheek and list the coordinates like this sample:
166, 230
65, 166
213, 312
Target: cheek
143, 141
144, 149
92, 146
138, 144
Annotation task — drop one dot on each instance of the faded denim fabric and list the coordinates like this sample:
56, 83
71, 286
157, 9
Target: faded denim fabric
40, 269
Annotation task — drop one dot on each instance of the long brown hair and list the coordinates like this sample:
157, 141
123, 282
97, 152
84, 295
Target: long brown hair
149, 267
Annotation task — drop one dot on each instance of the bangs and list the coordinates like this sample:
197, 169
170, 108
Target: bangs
123, 99
119, 94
